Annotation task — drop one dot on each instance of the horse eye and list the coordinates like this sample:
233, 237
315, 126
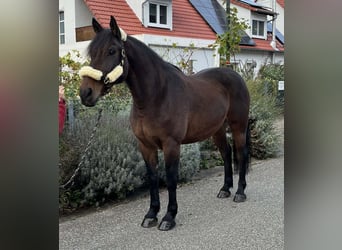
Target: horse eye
111, 51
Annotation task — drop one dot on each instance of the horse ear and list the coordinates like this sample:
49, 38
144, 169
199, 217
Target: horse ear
96, 26
114, 27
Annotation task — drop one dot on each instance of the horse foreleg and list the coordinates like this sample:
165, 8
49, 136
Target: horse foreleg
171, 156
151, 160
220, 141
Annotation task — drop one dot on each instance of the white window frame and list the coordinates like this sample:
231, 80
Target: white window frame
146, 14
61, 22
259, 19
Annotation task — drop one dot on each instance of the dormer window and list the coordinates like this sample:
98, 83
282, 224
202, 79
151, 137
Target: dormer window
158, 14
259, 26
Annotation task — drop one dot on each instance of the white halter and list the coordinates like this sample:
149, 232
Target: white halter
98, 74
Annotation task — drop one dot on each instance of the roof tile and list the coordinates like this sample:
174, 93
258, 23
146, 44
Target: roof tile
262, 44
187, 22
281, 3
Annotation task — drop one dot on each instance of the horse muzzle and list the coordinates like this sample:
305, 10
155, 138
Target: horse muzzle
87, 97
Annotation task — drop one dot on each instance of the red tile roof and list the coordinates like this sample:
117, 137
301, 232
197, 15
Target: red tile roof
187, 22
242, 4
252, 8
281, 3
265, 45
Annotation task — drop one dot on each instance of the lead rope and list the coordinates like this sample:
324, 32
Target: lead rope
71, 180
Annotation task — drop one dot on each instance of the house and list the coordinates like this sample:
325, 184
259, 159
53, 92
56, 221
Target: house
259, 46
167, 26
178, 29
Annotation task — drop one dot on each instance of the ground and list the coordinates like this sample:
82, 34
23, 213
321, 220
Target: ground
203, 221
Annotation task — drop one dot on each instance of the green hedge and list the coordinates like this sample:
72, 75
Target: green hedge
113, 166
265, 140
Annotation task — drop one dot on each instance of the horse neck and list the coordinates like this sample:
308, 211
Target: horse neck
143, 77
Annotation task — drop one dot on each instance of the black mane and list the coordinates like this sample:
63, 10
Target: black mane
150, 54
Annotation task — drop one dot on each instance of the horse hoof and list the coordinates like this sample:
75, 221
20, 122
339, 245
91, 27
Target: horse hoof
240, 197
223, 194
166, 225
149, 222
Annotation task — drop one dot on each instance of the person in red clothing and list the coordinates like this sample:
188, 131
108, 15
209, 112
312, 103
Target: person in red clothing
61, 108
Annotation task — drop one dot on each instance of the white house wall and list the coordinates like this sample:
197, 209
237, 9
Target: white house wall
69, 20
260, 57
136, 6
76, 15
83, 15
163, 45
280, 19
244, 13
203, 56
279, 58
279, 10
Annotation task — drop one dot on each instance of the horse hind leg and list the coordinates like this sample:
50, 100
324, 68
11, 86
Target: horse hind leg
220, 141
242, 162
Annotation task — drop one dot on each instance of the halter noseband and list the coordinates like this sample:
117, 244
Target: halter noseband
111, 76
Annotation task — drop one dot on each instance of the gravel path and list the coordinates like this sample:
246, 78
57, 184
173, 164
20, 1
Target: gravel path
203, 221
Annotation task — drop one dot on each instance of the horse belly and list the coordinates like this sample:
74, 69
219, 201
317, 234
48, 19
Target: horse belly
209, 106
200, 129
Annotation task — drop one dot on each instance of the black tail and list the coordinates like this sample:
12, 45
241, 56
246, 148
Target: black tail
249, 143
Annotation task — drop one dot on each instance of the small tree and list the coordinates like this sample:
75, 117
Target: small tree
228, 42
69, 66
180, 56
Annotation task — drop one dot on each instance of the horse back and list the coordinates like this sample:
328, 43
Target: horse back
235, 89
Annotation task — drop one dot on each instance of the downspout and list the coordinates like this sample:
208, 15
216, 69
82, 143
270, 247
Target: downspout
273, 42
143, 12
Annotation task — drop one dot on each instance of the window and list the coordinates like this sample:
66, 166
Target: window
61, 28
258, 29
162, 14
158, 14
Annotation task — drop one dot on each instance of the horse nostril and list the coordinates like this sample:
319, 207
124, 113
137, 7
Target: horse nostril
88, 92
85, 93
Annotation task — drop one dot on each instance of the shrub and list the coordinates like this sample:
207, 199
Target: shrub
113, 166
189, 163
266, 105
271, 74
210, 155
265, 141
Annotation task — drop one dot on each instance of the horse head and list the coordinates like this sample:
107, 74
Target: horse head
108, 63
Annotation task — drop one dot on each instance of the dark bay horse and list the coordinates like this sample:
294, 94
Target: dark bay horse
169, 109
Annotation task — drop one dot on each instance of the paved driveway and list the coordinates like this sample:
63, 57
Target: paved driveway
203, 221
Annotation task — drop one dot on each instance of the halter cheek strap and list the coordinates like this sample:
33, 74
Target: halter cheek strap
123, 35
111, 76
